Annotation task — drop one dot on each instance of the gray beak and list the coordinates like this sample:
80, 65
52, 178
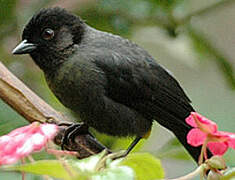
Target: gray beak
24, 48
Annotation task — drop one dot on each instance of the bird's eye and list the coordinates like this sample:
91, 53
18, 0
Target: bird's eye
47, 34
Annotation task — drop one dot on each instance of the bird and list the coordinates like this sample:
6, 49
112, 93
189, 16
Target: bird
111, 83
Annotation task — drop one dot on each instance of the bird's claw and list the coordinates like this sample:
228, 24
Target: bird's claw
72, 131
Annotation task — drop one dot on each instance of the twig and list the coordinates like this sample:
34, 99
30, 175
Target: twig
24, 101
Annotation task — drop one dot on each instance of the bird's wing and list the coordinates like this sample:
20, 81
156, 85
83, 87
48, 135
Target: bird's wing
146, 87
143, 85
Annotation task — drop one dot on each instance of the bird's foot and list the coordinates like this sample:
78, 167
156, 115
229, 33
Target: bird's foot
72, 131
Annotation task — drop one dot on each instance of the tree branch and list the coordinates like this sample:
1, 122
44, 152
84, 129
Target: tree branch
33, 108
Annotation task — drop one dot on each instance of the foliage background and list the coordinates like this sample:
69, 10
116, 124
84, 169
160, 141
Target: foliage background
194, 39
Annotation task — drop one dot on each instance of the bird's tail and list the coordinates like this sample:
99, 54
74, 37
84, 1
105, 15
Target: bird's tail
181, 135
180, 128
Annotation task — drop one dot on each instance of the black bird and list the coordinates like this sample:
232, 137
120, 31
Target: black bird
113, 84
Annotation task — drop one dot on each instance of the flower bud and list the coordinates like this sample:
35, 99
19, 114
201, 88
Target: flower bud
216, 162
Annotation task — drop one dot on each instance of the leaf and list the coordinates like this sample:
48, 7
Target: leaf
115, 173
87, 164
173, 149
112, 169
9, 119
146, 166
229, 174
53, 168
135, 166
67, 169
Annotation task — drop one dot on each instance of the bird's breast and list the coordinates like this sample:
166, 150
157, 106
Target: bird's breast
65, 85
76, 85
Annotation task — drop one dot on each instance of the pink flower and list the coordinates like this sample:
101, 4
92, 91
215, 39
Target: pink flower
207, 130
23, 141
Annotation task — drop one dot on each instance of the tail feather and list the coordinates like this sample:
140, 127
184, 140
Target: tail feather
180, 129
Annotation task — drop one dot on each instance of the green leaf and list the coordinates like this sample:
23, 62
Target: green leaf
229, 174
112, 169
146, 166
53, 168
97, 167
77, 169
115, 173
88, 164
9, 119
173, 149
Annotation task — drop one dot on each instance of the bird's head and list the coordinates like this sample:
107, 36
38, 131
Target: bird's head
50, 36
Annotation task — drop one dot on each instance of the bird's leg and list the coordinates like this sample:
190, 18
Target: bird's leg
130, 147
72, 131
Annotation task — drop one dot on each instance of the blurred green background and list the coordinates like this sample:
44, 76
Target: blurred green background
194, 39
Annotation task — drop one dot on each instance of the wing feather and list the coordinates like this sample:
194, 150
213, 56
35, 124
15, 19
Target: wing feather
142, 85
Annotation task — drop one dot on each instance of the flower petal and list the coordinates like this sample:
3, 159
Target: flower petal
38, 141
25, 140
231, 140
23, 129
218, 148
190, 120
196, 137
231, 143
8, 159
9, 148
49, 130
25, 149
197, 120
4, 140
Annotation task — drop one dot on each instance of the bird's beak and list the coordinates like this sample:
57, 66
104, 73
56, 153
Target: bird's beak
24, 48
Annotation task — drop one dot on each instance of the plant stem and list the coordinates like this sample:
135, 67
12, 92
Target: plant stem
193, 174
22, 172
203, 152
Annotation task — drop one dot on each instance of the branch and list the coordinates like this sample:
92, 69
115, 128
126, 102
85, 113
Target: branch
23, 100
33, 108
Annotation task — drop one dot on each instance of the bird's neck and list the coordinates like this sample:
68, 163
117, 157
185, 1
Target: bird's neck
51, 61
47, 63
